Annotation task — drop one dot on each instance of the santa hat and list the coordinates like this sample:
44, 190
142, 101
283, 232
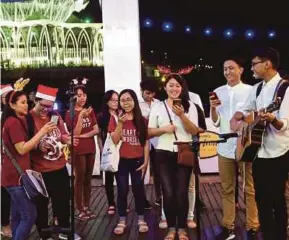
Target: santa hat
5, 89
46, 93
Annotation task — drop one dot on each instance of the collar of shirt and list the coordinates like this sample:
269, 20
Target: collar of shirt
234, 87
141, 100
273, 81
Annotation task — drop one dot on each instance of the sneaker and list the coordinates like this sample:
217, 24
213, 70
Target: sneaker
65, 236
226, 234
163, 224
252, 234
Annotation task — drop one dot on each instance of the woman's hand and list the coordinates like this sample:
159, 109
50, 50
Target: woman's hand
48, 127
178, 110
143, 169
122, 118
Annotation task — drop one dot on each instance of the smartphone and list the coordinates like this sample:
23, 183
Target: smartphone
213, 96
177, 102
54, 119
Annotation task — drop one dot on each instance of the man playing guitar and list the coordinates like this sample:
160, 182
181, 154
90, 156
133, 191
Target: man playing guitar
224, 102
270, 167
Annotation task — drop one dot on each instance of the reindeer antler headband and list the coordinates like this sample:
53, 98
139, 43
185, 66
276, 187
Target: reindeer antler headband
18, 86
166, 70
77, 81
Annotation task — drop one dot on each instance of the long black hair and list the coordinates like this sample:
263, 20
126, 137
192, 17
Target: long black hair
8, 111
138, 119
185, 92
104, 116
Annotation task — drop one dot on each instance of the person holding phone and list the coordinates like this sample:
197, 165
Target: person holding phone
131, 129
109, 109
225, 101
49, 159
174, 178
5, 197
85, 128
14, 136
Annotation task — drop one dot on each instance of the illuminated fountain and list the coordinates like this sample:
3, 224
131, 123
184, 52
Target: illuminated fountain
45, 33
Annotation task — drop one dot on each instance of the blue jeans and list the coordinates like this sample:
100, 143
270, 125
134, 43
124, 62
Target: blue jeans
23, 213
128, 167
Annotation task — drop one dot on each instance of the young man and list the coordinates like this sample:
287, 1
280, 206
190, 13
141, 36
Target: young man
226, 101
270, 168
49, 159
146, 102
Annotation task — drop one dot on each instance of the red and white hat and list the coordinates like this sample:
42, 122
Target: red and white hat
5, 88
46, 93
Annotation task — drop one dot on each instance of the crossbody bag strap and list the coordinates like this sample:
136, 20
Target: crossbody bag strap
12, 159
171, 121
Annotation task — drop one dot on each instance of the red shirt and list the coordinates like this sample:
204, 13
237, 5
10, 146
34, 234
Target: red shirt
39, 163
13, 132
131, 147
86, 145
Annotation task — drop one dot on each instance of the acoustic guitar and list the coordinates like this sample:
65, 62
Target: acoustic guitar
251, 133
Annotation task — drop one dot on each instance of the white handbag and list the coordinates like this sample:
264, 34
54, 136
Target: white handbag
110, 155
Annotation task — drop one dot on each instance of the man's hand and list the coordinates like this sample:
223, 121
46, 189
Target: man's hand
270, 117
214, 102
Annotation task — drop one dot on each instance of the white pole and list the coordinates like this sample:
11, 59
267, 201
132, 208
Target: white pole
122, 60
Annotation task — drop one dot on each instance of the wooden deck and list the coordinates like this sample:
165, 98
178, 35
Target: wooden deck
101, 228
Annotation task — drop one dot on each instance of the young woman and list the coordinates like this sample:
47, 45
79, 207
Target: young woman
5, 197
109, 109
175, 178
131, 129
15, 136
85, 128
50, 161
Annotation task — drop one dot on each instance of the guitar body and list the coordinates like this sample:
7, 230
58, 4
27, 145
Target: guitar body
250, 139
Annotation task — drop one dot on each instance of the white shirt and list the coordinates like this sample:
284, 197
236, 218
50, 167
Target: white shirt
232, 98
145, 110
159, 118
275, 142
195, 98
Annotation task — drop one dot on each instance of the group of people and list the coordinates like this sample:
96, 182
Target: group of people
147, 129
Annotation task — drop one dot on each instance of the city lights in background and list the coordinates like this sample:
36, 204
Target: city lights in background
148, 23
167, 26
271, 34
188, 29
208, 31
250, 34
227, 33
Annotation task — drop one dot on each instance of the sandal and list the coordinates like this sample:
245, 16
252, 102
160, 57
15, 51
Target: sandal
142, 226
111, 210
120, 227
82, 216
89, 213
171, 235
183, 235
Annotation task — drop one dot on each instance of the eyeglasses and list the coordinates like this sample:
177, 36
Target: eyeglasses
45, 106
126, 100
255, 63
113, 100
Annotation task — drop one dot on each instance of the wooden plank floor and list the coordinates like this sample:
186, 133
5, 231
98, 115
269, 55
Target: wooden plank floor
101, 228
